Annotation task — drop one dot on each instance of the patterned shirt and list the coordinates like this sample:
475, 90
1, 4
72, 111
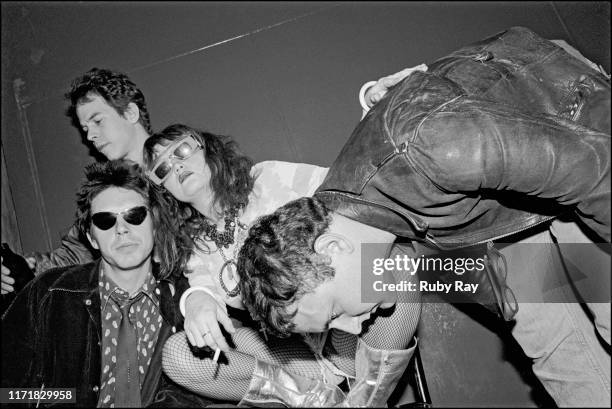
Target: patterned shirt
144, 312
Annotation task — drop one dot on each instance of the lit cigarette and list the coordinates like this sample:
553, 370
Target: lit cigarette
217, 353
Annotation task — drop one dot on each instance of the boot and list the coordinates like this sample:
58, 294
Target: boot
273, 384
377, 372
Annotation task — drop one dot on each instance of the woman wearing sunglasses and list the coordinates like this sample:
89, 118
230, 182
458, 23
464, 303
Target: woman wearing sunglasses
218, 194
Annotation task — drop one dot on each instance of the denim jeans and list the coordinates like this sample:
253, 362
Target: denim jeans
568, 358
595, 262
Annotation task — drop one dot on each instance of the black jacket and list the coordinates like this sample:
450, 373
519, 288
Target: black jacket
485, 144
51, 334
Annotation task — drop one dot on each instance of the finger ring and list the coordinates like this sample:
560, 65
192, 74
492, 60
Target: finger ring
205, 333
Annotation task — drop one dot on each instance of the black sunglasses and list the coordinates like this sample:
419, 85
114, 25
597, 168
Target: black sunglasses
106, 220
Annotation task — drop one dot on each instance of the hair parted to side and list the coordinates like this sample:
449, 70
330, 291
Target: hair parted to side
278, 265
127, 175
117, 90
231, 181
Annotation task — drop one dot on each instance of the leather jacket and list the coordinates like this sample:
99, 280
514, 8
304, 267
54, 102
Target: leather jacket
51, 334
483, 145
73, 249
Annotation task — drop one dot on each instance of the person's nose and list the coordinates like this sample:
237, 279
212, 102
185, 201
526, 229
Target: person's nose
92, 133
121, 226
178, 167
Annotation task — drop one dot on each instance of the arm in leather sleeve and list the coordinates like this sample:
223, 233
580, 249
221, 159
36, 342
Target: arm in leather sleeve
488, 146
72, 250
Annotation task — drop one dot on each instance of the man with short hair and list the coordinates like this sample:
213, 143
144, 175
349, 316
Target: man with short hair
487, 144
111, 111
99, 327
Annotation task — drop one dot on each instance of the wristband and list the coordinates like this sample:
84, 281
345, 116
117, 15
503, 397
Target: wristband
188, 292
362, 93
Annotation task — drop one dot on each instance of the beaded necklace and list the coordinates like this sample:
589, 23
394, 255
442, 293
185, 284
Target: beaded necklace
224, 239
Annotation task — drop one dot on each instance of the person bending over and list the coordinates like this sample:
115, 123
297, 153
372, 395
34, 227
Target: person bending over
498, 140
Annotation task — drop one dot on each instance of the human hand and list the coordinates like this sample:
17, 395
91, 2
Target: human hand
7, 280
202, 317
377, 91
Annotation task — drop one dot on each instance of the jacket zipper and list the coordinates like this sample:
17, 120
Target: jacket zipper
432, 241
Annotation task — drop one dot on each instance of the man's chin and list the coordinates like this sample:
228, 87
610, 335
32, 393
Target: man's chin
110, 154
130, 263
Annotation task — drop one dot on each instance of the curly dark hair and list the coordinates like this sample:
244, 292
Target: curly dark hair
127, 175
278, 265
117, 90
231, 182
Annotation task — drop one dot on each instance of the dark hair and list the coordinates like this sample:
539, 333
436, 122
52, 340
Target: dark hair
116, 89
127, 175
231, 181
278, 265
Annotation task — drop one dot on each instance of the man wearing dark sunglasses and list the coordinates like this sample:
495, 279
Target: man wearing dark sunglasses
99, 328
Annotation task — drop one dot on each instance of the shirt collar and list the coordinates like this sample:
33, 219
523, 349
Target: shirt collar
109, 289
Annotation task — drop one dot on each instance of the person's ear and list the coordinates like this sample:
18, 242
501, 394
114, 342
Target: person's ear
333, 243
92, 241
132, 113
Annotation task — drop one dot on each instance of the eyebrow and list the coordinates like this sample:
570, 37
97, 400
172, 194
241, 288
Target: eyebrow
84, 123
93, 115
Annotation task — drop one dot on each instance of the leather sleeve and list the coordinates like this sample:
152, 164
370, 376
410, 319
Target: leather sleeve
73, 250
475, 147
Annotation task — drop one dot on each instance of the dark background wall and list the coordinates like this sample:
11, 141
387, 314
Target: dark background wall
280, 77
